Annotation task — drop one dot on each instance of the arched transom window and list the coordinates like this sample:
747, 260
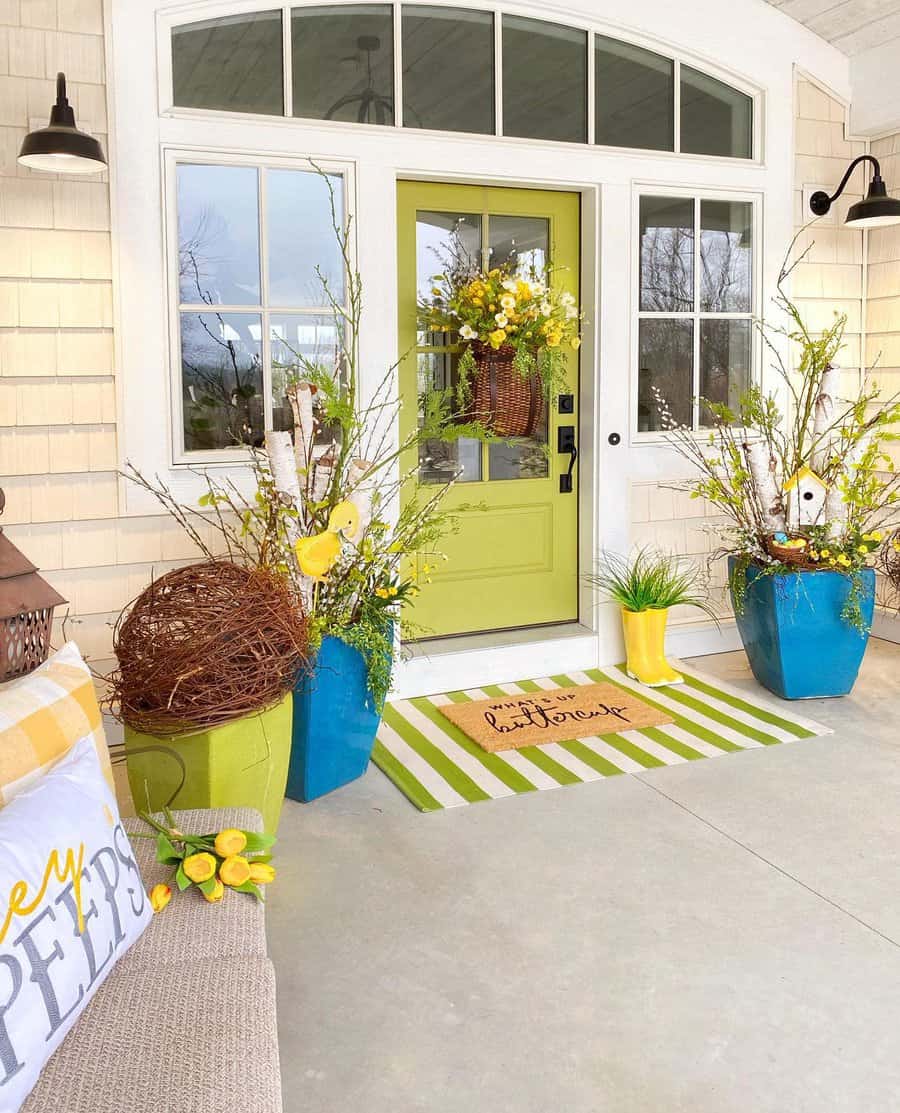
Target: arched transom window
457, 70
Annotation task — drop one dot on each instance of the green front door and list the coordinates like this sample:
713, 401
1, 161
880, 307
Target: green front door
514, 562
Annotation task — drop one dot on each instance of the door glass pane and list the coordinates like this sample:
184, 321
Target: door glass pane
301, 238
635, 96
725, 256
523, 458
724, 362
343, 63
439, 237
233, 63
298, 341
218, 235
715, 119
439, 459
523, 240
221, 380
448, 69
544, 80
667, 254
666, 367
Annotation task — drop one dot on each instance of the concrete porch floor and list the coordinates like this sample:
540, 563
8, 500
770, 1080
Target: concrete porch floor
721, 936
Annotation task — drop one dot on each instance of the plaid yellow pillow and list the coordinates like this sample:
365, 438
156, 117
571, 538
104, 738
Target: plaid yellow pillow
42, 716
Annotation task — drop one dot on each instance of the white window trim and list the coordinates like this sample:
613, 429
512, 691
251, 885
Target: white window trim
696, 194
172, 18
172, 157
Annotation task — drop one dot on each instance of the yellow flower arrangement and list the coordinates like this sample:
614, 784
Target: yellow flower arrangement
503, 309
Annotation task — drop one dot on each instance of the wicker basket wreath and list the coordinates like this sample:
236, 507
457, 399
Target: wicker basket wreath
509, 404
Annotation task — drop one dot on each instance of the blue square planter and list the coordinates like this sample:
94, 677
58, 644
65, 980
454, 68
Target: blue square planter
797, 644
335, 721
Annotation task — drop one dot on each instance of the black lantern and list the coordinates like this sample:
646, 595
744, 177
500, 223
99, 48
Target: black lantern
61, 147
876, 210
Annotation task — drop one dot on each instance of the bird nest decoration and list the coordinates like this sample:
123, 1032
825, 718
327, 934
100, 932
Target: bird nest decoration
204, 645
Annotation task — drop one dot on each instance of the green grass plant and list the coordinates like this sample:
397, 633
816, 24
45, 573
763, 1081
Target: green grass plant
650, 580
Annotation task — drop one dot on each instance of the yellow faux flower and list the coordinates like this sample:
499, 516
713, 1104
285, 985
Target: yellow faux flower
199, 867
844, 559
230, 841
497, 337
160, 895
216, 893
235, 870
261, 873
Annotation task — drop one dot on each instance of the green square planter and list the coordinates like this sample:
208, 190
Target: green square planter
243, 764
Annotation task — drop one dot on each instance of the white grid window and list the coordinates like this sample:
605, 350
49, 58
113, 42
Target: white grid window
253, 244
696, 295
457, 69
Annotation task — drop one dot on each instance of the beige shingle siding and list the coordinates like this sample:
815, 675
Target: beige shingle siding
58, 451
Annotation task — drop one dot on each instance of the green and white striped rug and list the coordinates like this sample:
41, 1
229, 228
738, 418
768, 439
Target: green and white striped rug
437, 766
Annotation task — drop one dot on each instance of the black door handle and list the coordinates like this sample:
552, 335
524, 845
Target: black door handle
565, 443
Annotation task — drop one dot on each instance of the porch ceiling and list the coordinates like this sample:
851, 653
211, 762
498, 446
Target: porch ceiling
853, 26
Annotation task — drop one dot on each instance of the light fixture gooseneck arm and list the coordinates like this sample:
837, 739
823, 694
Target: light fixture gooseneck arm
820, 202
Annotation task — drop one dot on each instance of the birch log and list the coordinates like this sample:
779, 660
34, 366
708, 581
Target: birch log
300, 398
835, 507
359, 491
283, 466
770, 498
323, 471
823, 437
284, 473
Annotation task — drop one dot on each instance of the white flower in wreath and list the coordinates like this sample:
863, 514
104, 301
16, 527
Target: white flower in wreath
501, 319
538, 289
509, 284
546, 308
571, 311
468, 333
508, 302
567, 298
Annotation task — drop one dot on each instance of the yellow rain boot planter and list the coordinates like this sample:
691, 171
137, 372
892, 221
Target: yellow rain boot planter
645, 647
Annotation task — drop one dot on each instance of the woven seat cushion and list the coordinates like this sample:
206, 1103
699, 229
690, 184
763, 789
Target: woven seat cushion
194, 1037
190, 926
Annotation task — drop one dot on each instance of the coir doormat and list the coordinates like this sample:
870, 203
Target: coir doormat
588, 710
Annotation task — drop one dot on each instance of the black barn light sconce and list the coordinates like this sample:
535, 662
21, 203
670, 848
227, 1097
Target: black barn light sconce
61, 147
876, 210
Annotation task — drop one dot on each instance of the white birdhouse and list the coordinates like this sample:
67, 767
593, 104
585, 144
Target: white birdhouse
806, 498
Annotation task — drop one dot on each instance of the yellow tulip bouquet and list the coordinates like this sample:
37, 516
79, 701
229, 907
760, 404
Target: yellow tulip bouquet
213, 864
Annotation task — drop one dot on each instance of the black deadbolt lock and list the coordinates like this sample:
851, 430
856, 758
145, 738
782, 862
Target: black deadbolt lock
614, 439
567, 403
565, 438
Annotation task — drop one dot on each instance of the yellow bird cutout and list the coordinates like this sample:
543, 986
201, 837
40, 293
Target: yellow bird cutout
316, 555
